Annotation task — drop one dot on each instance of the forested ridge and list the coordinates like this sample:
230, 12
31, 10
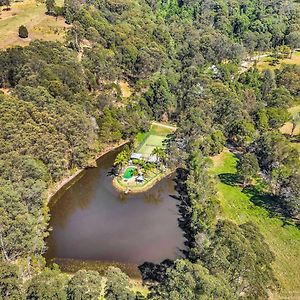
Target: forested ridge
62, 104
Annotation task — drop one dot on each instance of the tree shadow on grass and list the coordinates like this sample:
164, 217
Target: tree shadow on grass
229, 178
262, 199
272, 204
267, 201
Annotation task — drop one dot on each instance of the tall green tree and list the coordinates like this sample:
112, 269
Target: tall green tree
48, 285
85, 285
240, 255
50, 6
10, 282
247, 167
118, 285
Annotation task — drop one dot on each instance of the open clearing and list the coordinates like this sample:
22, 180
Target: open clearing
264, 63
153, 138
150, 143
282, 236
39, 25
287, 127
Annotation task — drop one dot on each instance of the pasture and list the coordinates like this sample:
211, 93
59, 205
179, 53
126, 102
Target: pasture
266, 62
32, 15
282, 236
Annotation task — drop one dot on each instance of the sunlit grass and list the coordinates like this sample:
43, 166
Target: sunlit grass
282, 237
266, 62
32, 15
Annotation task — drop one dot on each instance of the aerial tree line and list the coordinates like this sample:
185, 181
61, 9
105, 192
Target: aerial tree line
61, 104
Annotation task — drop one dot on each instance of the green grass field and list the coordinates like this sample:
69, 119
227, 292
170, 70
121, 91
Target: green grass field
153, 138
150, 143
282, 236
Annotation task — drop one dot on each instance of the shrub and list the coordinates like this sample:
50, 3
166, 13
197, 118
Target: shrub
23, 32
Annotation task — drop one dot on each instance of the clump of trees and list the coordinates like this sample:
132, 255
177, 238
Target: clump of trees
53, 284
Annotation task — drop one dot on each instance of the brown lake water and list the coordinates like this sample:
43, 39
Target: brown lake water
91, 220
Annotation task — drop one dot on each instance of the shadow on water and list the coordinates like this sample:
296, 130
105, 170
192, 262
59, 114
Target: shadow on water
93, 221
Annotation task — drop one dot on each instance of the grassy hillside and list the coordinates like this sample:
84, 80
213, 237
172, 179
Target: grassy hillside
282, 237
39, 25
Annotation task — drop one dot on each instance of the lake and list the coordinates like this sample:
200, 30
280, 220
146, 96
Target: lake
91, 220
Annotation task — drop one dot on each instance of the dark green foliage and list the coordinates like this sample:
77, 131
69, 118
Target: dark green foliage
240, 256
186, 280
160, 99
198, 203
23, 32
48, 285
117, 285
10, 282
50, 5
247, 167
85, 285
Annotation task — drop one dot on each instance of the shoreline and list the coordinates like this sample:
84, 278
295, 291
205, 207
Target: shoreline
56, 187
140, 189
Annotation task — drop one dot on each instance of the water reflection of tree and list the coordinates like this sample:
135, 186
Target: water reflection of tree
123, 198
155, 196
79, 195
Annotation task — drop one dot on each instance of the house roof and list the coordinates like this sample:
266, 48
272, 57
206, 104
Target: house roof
152, 158
136, 156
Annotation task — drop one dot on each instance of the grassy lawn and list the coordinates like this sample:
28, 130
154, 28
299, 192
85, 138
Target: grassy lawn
150, 143
39, 25
264, 63
282, 237
153, 138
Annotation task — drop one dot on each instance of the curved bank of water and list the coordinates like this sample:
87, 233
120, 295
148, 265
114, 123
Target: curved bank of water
92, 220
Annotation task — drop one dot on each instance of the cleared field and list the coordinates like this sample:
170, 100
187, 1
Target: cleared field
282, 236
287, 127
266, 62
39, 25
150, 143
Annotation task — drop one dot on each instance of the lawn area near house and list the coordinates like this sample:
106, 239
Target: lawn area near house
150, 143
32, 15
141, 167
282, 236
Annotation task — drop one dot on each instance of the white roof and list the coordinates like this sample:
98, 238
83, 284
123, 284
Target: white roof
136, 156
152, 158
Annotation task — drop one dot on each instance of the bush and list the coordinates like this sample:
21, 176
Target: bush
23, 32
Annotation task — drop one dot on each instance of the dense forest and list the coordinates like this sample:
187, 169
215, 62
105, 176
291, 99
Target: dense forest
61, 105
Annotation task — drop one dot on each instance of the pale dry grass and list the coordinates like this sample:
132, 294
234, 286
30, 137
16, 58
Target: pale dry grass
287, 127
125, 89
39, 25
264, 63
